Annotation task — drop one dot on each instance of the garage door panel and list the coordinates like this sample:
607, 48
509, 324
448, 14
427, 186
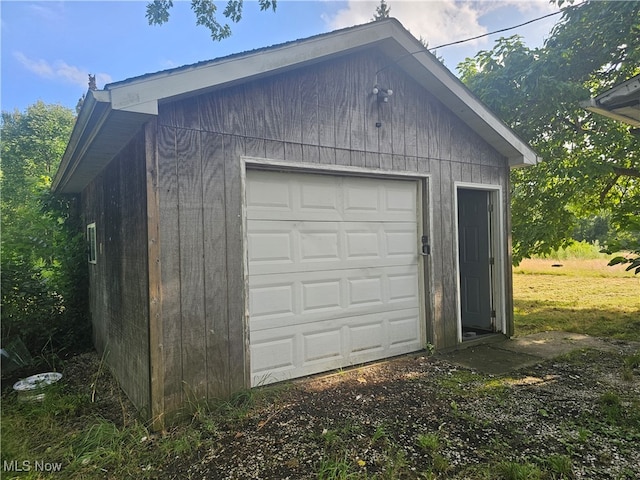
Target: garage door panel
329, 295
320, 346
297, 196
366, 291
369, 337
271, 247
333, 272
403, 331
321, 295
273, 300
293, 246
273, 353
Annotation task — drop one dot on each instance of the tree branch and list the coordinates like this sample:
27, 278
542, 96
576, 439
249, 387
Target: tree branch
626, 172
609, 186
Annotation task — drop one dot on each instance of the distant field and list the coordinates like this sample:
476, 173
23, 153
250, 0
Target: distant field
583, 296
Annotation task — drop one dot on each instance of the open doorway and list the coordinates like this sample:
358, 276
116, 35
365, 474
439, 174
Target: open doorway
476, 261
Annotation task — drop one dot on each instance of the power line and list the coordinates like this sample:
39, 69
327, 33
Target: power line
505, 29
410, 54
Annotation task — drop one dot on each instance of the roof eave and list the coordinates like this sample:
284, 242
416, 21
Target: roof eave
99, 133
425, 68
110, 118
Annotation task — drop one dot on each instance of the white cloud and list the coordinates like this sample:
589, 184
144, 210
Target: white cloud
60, 70
440, 21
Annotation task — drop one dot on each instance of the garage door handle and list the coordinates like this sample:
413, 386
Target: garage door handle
426, 248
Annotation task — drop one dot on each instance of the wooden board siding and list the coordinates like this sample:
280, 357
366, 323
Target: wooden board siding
116, 202
326, 114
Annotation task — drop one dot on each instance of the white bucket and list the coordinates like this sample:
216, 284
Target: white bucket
30, 388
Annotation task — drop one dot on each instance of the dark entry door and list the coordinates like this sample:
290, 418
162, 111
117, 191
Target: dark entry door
475, 258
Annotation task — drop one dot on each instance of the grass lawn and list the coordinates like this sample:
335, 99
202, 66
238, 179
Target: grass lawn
581, 296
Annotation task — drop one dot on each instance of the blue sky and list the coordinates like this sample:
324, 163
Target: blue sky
49, 48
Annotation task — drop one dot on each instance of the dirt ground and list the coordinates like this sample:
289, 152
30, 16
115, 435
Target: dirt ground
367, 422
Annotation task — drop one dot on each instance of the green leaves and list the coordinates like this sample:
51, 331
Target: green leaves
43, 262
590, 164
205, 12
158, 11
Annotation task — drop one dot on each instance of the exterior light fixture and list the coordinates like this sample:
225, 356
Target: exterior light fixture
383, 94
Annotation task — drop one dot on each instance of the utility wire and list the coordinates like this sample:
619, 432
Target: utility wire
410, 54
506, 29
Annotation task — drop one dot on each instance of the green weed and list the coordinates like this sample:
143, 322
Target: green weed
517, 471
429, 442
560, 466
336, 468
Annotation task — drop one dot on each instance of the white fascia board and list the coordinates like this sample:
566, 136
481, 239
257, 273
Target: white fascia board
191, 81
99, 134
90, 119
437, 78
592, 106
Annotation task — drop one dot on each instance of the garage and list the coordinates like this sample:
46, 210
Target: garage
333, 272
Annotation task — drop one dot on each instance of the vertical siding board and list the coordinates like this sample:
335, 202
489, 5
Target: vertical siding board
358, 112
292, 105
424, 164
327, 156
254, 105
234, 100
465, 174
256, 147
192, 283
423, 126
435, 133
386, 161
398, 120
167, 114
170, 272
344, 105
449, 272
274, 150
445, 128
439, 245
456, 172
292, 152
237, 330
398, 163
212, 116
386, 113
215, 267
309, 105
343, 156
328, 81
187, 113
410, 119
368, 71
156, 363
311, 153
274, 100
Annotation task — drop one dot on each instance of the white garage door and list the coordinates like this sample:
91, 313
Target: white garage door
333, 274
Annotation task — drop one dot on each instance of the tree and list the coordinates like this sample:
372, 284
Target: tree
590, 163
206, 14
43, 266
382, 11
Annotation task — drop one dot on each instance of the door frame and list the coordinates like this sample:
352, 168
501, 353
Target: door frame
423, 220
498, 249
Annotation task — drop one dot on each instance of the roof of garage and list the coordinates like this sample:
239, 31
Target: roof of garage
621, 102
109, 118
